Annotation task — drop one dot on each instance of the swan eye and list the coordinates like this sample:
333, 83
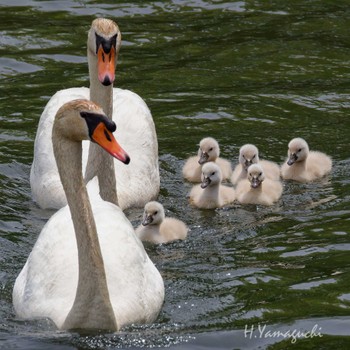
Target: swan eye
93, 119
210, 149
156, 212
299, 150
253, 156
213, 173
260, 174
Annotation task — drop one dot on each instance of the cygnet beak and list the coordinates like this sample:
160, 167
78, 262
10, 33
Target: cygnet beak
255, 183
147, 219
203, 157
205, 182
247, 164
292, 159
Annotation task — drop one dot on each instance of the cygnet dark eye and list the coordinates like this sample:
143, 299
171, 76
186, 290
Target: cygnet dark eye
299, 150
260, 174
155, 213
253, 156
210, 149
213, 173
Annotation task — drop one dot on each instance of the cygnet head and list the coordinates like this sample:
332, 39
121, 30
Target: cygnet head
208, 150
248, 155
255, 175
211, 174
153, 214
298, 150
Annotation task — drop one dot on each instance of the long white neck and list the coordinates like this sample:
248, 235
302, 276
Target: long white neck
92, 308
99, 162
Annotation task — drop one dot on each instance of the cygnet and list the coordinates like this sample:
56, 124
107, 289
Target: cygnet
156, 228
304, 165
257, 189
249, 154
211, 193
208, 151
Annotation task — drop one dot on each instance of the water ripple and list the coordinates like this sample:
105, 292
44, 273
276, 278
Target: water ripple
314, 250
11, 66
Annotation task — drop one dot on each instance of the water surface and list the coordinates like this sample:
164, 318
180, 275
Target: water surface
246, 71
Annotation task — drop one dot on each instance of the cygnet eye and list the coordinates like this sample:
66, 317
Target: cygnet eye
253, 156
155, 213
213, 173
260, 174
299, 150
210, 149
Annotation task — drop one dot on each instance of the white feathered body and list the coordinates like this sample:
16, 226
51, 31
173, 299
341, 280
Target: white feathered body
267, 193
210, 198
46, 286
192, 170
137, 183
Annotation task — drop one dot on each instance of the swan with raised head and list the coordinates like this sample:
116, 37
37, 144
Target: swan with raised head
136, 184
156, 228
211, 193
258, 189
87, 269
304, 165
209, 151
249, 154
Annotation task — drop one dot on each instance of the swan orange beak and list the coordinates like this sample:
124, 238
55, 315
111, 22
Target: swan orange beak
106, 65
107, 141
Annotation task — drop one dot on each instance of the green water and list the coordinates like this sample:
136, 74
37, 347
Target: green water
261, 72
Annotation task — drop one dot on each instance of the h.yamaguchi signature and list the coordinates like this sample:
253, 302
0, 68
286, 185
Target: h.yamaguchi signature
261, 331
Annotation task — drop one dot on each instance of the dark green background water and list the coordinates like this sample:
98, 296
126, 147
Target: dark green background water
249, 71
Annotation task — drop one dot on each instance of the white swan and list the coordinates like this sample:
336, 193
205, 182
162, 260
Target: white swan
249, 154
209, 151
257, 189
139, 182
156, 228
211, 193
79, 277
304, 165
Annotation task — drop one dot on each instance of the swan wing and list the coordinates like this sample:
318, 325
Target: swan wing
139, 181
